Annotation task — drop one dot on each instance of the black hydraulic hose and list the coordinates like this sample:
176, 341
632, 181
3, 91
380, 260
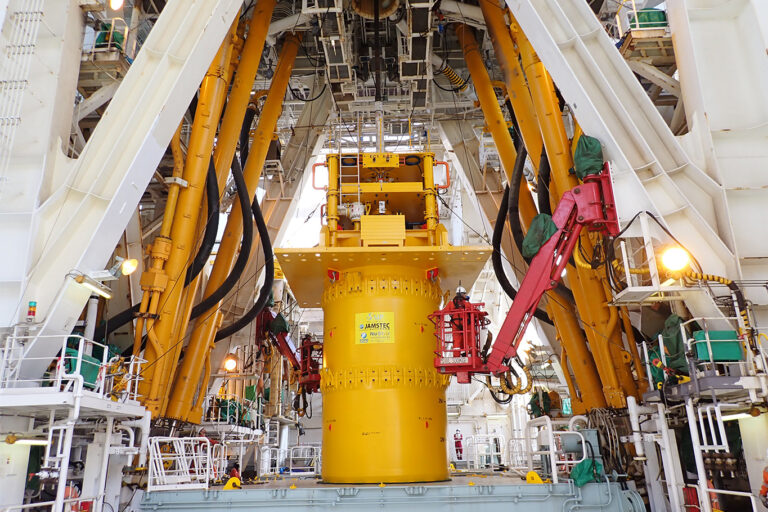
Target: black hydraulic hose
245, 131
245, 248
545, 177
498, 267
110, 325
513, 212
269, 278
211, 226
513, 208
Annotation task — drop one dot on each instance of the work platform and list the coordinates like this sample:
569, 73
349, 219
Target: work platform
476, 492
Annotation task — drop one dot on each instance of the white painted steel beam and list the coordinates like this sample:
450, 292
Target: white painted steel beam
651, 170
85, 204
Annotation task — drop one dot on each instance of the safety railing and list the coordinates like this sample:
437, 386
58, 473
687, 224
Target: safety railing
75, 369
518, 449
722, 352
629, 17
179, 463
79, 504
304, 460
486, 451
271, 461
712, 496
111, 36
231, 410
551, 449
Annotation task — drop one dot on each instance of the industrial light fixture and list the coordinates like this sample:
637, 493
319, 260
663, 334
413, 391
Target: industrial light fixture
128, 266
230, 363
122, 267
115, 4
93, 285
675, 259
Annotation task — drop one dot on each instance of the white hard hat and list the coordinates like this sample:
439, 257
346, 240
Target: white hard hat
461, 289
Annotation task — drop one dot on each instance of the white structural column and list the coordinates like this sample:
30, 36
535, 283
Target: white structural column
721, 54
64, 216
651, 170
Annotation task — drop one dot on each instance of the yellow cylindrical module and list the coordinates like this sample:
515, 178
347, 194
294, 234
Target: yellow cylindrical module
384, 415
377, 273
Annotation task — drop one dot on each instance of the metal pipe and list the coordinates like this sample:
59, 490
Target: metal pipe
201, 340
587, 286
175, 183
634, 420
332, 196
430, 197
642, 382
517, 90
242, 84
184, 226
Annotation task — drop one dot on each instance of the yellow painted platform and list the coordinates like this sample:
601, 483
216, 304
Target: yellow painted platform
306, 269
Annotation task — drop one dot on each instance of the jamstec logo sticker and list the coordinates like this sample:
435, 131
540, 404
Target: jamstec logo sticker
374, 327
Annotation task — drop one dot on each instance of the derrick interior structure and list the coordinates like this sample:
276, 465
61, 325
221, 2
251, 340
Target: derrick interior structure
462, 255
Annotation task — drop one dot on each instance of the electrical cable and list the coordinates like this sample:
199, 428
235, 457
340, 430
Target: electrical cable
513, 207
309, 100
245, 248
110, 325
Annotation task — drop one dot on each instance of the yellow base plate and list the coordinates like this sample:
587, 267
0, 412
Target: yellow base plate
307, 269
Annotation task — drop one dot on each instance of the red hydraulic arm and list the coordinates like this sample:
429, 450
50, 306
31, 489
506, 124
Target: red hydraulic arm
590, 204
306, 360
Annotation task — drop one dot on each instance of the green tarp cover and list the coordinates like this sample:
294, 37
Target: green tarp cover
542, 228
588, 470
588, 158
278, 325
540, 409
674, 348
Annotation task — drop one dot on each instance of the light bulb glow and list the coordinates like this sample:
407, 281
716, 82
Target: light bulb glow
230, 363
675, 259
115, 4
129, 266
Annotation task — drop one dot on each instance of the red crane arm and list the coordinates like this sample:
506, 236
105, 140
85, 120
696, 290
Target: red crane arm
590, 204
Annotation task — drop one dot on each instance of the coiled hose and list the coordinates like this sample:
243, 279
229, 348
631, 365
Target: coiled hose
458, 83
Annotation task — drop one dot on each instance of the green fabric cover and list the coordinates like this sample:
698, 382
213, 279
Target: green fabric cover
674, 348
278, 325
540, 409
588, 470
542, 228
650, 18
102, 37
588, 158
